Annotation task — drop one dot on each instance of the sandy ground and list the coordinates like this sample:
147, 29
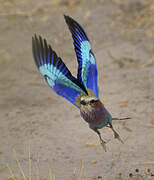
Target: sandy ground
122, 36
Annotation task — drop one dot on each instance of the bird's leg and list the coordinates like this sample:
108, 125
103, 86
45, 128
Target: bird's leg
103, 143
116, 135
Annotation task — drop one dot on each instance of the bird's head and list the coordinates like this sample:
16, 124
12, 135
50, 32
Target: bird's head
89, 102
84, 101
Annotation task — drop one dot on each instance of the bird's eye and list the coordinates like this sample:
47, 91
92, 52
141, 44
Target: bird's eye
83, 102
92, 101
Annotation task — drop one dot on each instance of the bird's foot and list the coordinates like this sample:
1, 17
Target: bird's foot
116, 136
103, 143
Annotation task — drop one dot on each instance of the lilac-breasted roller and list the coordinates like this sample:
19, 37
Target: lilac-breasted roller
81, 91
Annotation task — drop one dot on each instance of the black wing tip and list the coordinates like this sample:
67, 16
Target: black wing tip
36, 38
34, 49
41, 50
69, 20
75, 26
66, 17
38, 48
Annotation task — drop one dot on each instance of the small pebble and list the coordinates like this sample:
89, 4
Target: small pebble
130, 175
137, 170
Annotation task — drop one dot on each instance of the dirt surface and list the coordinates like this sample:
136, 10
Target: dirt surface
122, 37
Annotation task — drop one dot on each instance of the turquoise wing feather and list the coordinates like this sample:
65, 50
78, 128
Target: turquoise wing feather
87, 68
55, 72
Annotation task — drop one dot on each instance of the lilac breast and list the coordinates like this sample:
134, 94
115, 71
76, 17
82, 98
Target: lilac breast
94, 116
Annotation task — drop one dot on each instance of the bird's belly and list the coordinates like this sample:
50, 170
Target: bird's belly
94, 117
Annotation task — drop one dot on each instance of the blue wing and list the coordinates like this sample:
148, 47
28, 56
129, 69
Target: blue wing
55, 72
87, 69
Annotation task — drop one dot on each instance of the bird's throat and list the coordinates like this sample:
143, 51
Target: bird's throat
93, 115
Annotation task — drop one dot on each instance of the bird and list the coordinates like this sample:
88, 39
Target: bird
82, 91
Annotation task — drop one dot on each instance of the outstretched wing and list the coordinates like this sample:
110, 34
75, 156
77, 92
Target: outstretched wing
55, 72
87, 69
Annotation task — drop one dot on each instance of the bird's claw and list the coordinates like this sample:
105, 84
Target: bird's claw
116, 136
103, 143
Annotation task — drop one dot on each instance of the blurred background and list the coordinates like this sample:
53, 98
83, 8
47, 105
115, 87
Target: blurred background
34, 117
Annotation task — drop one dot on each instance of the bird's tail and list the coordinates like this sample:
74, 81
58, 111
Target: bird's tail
121, 118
